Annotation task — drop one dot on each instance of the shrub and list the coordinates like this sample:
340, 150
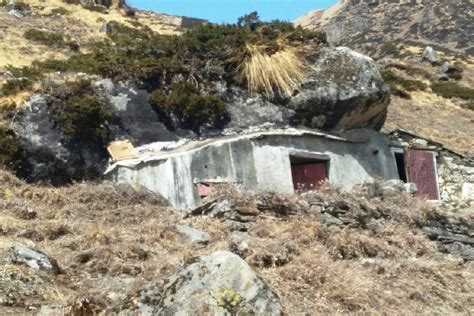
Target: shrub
9, 149
390, 49
45, 37
455, 75
16, 85
400, 86
60, 11
185, 107
468, 106
79, 111
452, 90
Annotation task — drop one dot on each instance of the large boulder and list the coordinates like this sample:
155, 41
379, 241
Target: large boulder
343, 90
219, 284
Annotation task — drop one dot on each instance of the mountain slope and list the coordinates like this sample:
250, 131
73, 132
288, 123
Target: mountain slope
445, 23
395, 34
77, 24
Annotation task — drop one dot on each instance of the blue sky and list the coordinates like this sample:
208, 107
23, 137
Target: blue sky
227, 11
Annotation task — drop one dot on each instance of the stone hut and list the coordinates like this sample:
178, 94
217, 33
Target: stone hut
282, 160
440, 173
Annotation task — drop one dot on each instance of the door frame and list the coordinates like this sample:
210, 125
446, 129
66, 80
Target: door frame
434, 154
308, 157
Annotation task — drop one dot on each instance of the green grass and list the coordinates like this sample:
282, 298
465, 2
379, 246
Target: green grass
46, 38
452, 90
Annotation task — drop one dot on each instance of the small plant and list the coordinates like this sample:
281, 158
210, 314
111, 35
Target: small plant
468, 105
9, 149
452, 90
229, 300
45, 37
60, 11
14, 86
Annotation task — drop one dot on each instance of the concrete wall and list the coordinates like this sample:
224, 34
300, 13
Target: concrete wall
261, 164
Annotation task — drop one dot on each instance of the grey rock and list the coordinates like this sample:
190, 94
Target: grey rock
465, 251
49, 157
30, 234
430, 55
34, 259
17, 14
106, 27
239, 244
219, 284
193, 235
442, 77
330, 220
448, 68
344, 89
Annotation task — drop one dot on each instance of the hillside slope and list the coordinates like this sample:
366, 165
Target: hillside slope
444, 23
78, 24
395, 35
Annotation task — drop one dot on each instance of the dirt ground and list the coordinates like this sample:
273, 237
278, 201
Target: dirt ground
111, 242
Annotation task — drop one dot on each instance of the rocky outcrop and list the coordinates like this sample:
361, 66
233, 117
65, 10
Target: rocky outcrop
343, 90
219, 284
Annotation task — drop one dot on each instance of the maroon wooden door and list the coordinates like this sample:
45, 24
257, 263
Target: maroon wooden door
421, 169
308, 176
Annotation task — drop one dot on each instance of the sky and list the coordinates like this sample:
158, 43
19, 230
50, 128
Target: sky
227, 11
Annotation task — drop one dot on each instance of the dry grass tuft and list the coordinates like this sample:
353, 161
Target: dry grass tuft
278, 73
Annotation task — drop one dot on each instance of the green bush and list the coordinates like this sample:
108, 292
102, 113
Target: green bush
60, 11
185, 107
79, 111
14, 86
139, 53
9, 149
455, 75
390, 49
400, 86
45, 37
468, 106
452, 90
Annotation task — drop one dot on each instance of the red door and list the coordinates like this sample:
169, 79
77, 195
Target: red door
308, 176
421, 169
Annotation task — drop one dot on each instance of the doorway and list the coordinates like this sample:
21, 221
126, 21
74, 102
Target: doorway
419, 167
308, 174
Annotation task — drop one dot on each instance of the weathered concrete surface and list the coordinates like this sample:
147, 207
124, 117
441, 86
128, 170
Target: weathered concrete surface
259, 162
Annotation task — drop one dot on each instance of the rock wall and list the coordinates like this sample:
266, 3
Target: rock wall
456, 181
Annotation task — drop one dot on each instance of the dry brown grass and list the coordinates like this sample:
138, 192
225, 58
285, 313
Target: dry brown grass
279, 73
110, 244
